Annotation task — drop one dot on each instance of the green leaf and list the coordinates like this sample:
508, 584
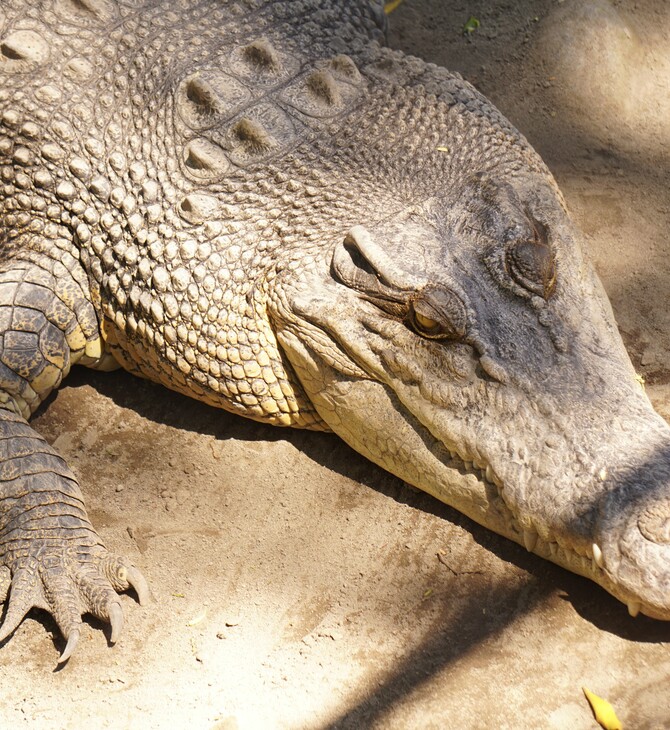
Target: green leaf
471, 26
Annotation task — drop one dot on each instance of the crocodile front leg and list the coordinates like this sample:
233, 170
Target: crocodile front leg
57, 561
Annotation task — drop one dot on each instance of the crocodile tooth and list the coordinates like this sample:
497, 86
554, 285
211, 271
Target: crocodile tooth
467, 464
598, 556
633, 608
530, 539
490, 477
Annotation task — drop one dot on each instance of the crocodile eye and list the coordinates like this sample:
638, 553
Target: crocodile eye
531, 264
425, 323
438, 314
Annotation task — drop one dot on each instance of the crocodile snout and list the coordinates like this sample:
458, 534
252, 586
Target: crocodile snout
654, 523
633, 534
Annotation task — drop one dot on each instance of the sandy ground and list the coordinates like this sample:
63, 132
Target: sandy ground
298, 586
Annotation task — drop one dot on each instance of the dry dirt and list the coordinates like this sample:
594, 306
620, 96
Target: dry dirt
297, 585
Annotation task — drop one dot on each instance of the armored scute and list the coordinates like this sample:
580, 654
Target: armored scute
259, 205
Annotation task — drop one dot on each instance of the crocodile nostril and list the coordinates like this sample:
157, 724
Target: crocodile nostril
654, 523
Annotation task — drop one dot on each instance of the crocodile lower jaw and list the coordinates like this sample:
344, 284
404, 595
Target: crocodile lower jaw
586, 560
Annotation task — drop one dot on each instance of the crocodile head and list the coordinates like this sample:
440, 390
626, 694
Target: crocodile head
466, 345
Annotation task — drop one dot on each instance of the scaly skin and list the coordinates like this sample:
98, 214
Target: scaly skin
256, 204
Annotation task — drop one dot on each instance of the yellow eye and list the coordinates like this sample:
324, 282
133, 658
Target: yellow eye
437, 313
425, 322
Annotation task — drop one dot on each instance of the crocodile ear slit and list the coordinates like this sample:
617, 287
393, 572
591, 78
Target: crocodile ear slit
532, 265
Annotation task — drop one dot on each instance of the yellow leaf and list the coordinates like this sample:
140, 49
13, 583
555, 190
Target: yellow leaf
442, 148
603, 711
391, 6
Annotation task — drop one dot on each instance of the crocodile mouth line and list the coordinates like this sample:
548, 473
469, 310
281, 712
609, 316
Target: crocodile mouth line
586, 561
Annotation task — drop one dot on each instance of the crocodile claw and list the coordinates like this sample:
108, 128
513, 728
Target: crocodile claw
67, 586
139, 585
72, 641
116, 621
22, 597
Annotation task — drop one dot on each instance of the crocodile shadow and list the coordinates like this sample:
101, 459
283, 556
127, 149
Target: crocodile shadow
156, 404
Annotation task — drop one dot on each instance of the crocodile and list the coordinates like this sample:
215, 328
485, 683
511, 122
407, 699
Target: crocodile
258, 204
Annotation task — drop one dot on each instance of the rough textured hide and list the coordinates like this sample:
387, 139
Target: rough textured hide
258, 205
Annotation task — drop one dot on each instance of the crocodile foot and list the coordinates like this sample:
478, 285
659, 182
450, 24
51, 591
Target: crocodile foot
69, 581
56, 559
